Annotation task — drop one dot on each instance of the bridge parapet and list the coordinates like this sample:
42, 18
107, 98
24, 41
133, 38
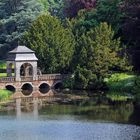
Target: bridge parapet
7, 79
50, 77
40, 78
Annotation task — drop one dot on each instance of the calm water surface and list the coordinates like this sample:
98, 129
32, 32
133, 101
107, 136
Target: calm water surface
80, 120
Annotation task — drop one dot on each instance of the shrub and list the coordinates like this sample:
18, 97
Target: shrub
4, 94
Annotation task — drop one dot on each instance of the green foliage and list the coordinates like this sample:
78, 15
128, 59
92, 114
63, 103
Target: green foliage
2, 65
3, 74
86, 79
121, 82
98, 51
54, 7
54, 44
117, 96
15, 18
136, 91
105, 11
83, 77
69, 82
4, 94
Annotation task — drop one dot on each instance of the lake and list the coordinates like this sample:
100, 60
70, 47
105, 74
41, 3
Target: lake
80, 119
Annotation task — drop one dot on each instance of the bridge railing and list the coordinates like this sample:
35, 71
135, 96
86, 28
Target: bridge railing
40, 78
24, 79
50, 77
7, 79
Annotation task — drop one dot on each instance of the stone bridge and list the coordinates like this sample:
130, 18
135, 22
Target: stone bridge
27, 85
24, 76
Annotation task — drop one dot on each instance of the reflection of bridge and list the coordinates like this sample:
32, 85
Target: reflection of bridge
23, 74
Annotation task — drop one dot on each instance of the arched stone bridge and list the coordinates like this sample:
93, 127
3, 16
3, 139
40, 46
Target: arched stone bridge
43, 84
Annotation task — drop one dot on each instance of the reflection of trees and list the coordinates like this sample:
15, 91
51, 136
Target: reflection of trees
135, 116
92, 111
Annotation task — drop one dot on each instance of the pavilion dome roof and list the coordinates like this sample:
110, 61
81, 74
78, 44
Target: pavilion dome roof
21, 53
21, 49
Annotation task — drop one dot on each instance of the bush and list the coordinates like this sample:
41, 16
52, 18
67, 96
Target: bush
86, 79
4, 94
68, 82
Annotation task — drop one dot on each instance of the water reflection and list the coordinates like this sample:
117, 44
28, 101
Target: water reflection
85, 108
33, 113
69, 117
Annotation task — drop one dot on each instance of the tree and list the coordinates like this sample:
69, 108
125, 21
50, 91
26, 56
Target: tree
105, 11
15, 18
54, 7
74, 6
131, 29
53, 43
99, 52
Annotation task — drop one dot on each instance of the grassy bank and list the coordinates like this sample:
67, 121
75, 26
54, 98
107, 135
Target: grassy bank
3, 74
121, 86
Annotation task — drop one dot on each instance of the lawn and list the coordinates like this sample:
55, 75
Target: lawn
3, 74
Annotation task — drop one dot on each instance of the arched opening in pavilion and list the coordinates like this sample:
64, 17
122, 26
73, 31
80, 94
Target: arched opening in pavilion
26, 70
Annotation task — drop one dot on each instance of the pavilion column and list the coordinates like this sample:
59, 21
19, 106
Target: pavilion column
17, 71
34, 64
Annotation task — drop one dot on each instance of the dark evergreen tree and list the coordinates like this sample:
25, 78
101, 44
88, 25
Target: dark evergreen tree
15, 18
97, 53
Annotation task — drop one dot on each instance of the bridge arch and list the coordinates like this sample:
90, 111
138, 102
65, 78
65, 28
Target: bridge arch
10, 88
58, 85
44, 87
27, 89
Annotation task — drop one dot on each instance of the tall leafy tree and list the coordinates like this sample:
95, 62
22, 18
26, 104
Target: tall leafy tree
53, 43
97, 51
15, 18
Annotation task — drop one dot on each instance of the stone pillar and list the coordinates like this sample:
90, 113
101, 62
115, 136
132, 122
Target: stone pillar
17, 71
35, 76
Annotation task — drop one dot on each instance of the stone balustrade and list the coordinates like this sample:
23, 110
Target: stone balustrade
30, 78
7, 79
